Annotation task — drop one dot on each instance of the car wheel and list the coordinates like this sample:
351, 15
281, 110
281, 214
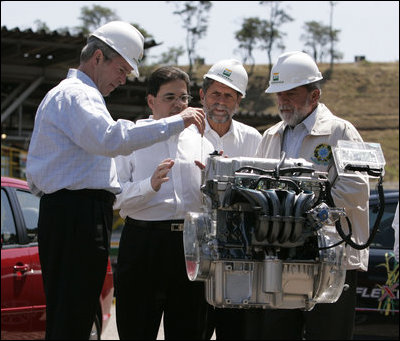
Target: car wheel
96, 330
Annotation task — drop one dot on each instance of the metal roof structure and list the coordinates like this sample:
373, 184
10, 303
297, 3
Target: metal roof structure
34, 62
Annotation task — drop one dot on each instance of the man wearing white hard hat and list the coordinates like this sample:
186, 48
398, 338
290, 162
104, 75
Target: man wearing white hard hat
70, 166
309, 130
223, 88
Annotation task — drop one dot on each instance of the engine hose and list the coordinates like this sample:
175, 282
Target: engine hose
287, 217
303, 203
279, 165
275, 217
297, 170
347, 238
257, 198
289, 203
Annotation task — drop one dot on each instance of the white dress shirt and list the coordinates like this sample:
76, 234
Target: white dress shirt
179, 195
240, 140
75, 138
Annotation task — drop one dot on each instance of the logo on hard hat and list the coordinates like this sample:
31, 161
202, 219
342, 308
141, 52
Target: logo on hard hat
275, 77
226, 72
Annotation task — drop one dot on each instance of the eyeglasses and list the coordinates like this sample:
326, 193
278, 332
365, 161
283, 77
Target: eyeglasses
173, 98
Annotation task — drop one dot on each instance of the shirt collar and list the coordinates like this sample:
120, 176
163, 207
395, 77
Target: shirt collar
83, 77
309, 121
230, 131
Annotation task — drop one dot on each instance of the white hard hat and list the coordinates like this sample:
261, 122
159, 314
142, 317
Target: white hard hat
231, 73
125, 39
293, 69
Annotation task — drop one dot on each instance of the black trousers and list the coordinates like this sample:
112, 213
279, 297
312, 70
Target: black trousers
326, 321
74, 238
151, 280
229, 323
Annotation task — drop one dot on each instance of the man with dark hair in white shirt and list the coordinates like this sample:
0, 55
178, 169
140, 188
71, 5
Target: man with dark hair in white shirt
160, 184
70, 164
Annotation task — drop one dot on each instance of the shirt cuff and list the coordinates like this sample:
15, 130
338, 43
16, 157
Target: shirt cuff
146, 188
175, 124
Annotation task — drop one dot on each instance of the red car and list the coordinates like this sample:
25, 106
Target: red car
23, 304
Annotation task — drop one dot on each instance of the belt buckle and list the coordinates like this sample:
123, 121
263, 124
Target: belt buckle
176, 227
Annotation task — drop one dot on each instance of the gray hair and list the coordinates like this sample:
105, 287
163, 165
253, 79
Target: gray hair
93, 44
314, 86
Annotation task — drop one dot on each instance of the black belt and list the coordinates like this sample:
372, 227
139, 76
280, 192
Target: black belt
99, 194
165, 225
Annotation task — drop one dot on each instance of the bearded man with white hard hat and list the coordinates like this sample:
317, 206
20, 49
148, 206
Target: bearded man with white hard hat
224, 86
70, 166
309, 130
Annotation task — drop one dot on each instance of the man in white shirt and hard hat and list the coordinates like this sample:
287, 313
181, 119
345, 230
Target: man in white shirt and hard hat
224, 86
70, 166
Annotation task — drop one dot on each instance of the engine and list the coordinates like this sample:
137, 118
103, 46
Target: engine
266, 237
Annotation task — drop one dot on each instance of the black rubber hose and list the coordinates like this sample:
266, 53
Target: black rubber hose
347, 238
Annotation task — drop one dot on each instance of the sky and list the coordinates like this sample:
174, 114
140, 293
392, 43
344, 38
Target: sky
367, 28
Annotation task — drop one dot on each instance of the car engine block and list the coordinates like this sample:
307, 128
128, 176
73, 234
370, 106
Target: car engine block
266, 237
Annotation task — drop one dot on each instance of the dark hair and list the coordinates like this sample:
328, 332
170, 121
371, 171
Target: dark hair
165, 74
207, 83
93, 44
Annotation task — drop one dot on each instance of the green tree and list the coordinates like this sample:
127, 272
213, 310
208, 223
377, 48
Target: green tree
317, 38
270, 35
333, 37
143, 31
195, 21
247, 36
94, 17
171, 56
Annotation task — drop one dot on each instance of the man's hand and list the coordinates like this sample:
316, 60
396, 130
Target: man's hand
194, 116
160, 174
200, 165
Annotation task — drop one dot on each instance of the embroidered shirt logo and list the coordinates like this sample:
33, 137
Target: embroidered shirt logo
322, 154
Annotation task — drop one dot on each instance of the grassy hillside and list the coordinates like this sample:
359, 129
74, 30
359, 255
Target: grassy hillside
367, 95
